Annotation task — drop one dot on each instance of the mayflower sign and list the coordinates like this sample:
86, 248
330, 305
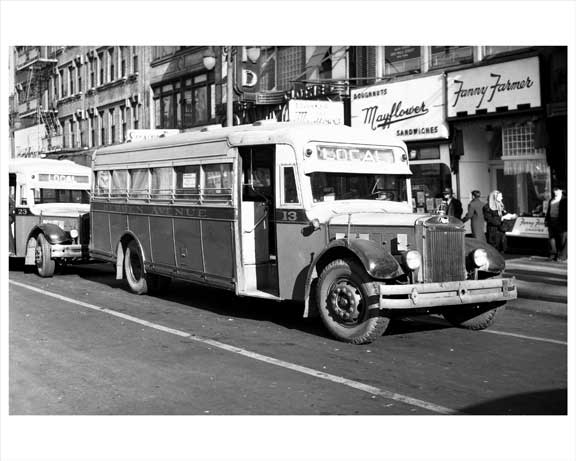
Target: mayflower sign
411, 110
489, 88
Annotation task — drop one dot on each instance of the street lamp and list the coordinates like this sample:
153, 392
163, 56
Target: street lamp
209, 61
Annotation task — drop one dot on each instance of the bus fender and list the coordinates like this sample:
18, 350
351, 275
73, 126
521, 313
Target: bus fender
53, 233
377, 262
496, 262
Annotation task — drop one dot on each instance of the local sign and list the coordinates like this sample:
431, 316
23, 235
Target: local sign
350, 154
412, 109
507, 86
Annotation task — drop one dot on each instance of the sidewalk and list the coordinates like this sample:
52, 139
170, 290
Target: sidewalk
541, 280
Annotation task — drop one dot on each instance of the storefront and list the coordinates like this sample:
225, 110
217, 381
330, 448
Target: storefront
498, 111
413, 110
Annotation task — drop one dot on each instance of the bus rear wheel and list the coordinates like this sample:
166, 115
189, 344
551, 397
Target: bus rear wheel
45, 265
345, 307
134, 269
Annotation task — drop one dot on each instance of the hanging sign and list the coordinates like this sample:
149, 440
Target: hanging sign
411, 109
323, 112
510, 85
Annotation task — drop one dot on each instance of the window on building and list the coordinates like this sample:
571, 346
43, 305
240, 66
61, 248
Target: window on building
446, 56
134, 59
123, 123
92, 123
71, 79
72, 125
401, 59
63, 86
65, 133
103, 140
111, 65
101, 79
79, 74
291, 62
364, 58
185, 102
123, 57
135, 110
325, 70
428, 181
493, 50
83, 129
92, 66
112, 121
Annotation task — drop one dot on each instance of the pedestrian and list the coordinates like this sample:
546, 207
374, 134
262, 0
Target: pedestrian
557, 222
452, 205
476, 216
497, 221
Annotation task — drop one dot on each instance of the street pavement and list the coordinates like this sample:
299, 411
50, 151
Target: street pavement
542, 280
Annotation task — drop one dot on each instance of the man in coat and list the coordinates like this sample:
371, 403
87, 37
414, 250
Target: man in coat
476, 216
453, 205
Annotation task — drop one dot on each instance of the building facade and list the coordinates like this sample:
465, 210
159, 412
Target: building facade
473, 117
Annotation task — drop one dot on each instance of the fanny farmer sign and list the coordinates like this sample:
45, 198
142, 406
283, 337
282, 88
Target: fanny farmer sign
490, 88
412, 109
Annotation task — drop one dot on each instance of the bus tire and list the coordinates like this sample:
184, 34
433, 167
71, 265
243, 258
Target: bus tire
475, 317
134, 269
345, 307
45, 265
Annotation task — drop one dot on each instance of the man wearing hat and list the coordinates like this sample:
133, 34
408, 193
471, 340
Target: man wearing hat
452, 204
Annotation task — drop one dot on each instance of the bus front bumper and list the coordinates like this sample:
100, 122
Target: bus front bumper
420, 296
69, 251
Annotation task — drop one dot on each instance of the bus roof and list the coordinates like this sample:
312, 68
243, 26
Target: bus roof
266, 132
45, 165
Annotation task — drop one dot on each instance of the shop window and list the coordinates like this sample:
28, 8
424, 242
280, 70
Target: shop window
445, 56
425, 153
428, 182
401, 59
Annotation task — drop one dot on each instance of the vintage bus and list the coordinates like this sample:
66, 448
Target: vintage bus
319, 214
49, 205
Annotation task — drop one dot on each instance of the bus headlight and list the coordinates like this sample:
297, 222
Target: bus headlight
413, 260
73, 233
481, 258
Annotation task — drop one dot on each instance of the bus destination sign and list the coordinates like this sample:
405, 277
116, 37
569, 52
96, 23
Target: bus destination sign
63, 178
355, 154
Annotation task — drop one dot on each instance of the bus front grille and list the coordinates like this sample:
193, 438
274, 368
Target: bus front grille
444, 254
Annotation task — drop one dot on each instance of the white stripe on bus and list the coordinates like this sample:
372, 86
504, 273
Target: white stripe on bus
253, 355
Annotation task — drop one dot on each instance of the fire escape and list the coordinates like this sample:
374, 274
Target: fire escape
35, 68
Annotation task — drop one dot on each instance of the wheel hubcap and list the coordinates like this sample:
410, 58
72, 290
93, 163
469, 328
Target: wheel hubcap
345, 301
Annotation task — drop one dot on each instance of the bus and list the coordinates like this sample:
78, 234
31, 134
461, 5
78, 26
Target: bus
312, 213
49, 211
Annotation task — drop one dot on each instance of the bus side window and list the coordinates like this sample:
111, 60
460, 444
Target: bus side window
188, 183
139, 183
102, 183
119, 183
289, 192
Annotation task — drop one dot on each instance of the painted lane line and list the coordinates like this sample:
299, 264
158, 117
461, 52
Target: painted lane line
253, 355
531, 338
435, 321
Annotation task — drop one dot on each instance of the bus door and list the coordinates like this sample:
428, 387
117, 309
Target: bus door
257, 207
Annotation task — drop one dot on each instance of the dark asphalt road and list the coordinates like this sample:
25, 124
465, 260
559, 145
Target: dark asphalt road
69, 359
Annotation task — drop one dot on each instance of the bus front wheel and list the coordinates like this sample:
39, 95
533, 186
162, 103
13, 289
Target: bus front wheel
345, 307
134, 269
45, 265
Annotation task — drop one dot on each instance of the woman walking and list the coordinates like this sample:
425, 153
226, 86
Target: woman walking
557, 222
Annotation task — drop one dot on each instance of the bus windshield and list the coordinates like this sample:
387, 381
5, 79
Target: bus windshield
358, 186
42, 196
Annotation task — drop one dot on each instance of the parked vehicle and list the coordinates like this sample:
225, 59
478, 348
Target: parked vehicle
49, 201
320, 214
